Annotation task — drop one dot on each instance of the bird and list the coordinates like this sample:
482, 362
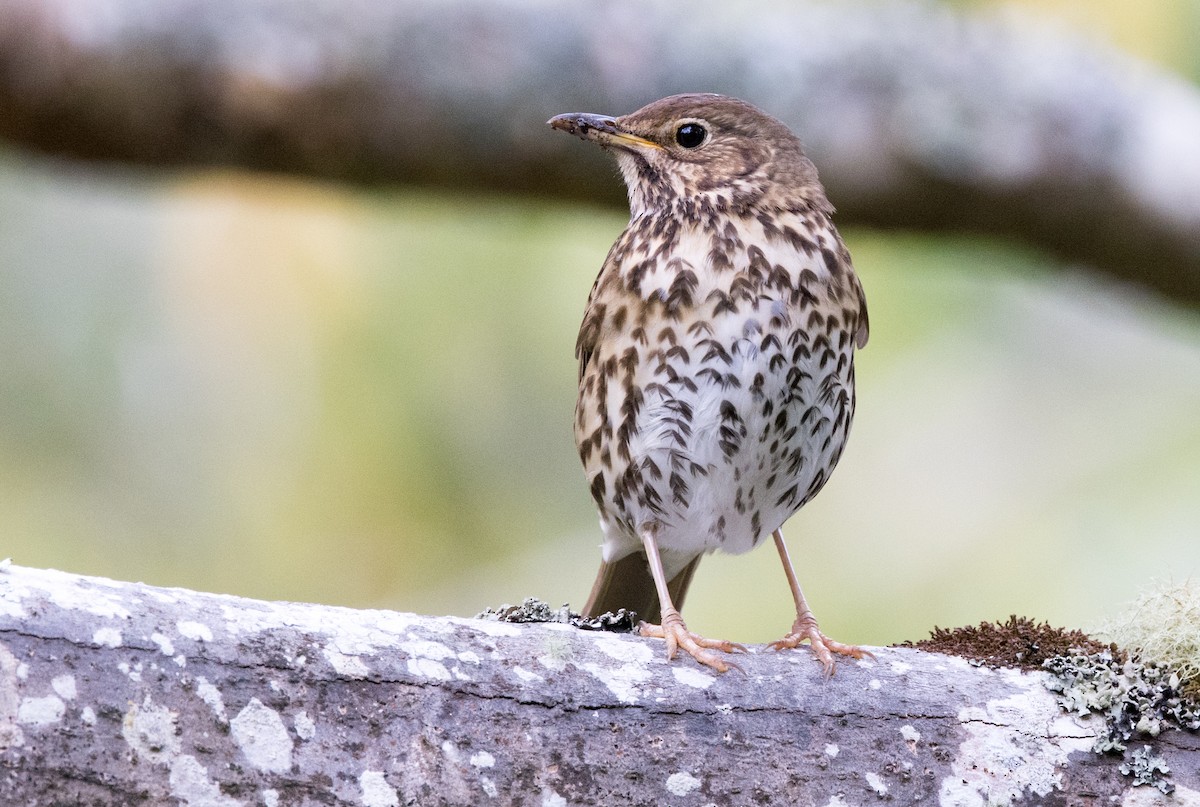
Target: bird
716, 357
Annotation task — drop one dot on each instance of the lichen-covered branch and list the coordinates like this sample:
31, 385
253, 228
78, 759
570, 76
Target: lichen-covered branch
919, 116
125, 694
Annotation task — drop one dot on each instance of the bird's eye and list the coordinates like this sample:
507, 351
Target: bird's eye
690, 135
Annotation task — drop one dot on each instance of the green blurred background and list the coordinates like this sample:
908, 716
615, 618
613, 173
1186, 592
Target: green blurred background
291, 390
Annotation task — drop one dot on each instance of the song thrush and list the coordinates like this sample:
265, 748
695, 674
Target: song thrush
716, 355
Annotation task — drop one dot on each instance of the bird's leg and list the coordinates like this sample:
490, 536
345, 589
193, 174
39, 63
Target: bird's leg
805, 626
673, 629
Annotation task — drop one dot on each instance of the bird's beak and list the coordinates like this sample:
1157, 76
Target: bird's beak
599, 129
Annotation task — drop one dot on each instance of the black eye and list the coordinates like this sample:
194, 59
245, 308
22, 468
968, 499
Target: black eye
690, 135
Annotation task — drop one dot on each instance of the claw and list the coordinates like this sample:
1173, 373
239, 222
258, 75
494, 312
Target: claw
823, 647
675, 633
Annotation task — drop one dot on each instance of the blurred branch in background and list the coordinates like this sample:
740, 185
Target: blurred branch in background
920, 117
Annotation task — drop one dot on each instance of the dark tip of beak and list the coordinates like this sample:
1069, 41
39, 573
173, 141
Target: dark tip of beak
581, 123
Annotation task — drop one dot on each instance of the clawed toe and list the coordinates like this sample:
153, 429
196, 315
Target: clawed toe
675, 633
806, 629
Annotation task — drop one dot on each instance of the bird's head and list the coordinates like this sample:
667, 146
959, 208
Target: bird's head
711, 150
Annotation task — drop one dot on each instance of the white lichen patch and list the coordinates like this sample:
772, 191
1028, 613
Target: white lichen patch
190, 783
428, 668
212, 697
620, 649
306, 729
624, 681
875, 683
552, 663
339, 632
1013, 745
900, 667
88, 716
426, 659
12, 608
165, 645
196, 631
270, 798
41, 711
681, 783
831, 750
345, 666
488, 786
259, 732
376, 792
11, 735
423, 648
690, 676
64, 686
483, 759
490, 628
151, 732
470, 657
552, 799
397, 623
876, 783
107, 637
1151, 797
911, 737
526, 675
69, 592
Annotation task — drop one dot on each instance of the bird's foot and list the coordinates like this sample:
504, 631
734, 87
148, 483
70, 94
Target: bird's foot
676, 634
805, 627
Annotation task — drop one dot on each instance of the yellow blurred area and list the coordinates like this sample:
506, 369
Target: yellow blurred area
290, 390
287, 390
1162, 31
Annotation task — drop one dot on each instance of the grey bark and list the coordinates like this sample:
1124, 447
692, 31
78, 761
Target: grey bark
918, 116
124, 694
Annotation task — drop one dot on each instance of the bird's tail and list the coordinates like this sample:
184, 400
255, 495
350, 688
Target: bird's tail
627, 583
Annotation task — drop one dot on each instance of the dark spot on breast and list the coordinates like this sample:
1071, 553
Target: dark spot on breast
618, 320
599, 487
637, 272
831, 262
716, 350
679, 489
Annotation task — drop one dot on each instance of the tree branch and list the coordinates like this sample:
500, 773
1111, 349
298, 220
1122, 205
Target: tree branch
121, 693
919, 117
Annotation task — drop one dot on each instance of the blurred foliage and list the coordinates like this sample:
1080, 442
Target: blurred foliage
1162, 31
288, 390
262, 386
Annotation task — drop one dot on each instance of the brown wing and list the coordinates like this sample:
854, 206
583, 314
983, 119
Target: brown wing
864, 327
589, 329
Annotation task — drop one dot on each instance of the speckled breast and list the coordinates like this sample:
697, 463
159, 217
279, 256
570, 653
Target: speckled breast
717, 379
